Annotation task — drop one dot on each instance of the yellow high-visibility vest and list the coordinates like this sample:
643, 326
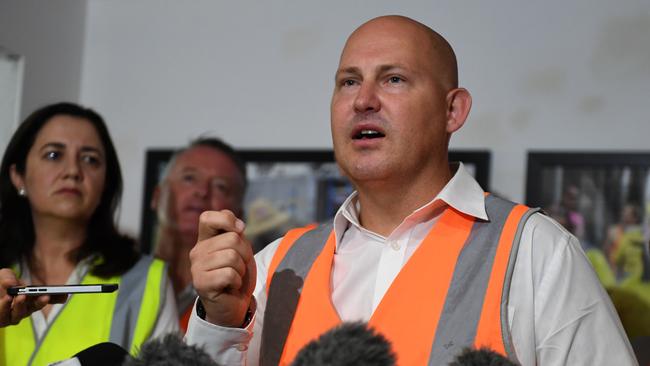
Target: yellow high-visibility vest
126, 317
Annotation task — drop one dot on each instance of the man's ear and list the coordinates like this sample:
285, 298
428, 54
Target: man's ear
459, 102
16, 179
155, 198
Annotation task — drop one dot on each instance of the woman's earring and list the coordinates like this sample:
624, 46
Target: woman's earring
22, 192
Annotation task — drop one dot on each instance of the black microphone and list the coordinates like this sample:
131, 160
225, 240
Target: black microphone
169, 350
480, 357
102, 354
350, 344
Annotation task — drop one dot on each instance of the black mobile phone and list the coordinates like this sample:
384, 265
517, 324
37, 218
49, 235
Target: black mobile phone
61, 289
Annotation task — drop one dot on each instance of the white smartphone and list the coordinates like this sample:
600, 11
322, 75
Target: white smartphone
61, 289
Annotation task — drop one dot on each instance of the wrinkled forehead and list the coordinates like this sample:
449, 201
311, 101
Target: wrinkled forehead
202, 157
207, 160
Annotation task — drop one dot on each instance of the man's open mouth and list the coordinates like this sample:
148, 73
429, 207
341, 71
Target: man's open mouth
368, 134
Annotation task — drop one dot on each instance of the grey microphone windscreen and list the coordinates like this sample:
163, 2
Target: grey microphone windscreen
169, 350
350, 344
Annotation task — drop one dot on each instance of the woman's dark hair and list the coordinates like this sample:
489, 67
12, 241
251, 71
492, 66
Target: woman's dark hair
16, 225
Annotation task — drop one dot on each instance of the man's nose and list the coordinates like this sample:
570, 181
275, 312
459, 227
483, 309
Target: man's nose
202, 189
367, 99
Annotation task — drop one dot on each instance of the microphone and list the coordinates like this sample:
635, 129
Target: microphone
480, 357
101, 354
350, 344
169, 350
355, 344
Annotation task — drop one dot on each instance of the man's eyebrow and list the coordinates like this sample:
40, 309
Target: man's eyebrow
347, 70
392, 67
353, 70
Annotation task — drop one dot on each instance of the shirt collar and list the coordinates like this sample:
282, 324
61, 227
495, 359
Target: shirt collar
462, 192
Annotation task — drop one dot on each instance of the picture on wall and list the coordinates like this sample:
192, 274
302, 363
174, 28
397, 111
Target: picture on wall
604, 200
286, 189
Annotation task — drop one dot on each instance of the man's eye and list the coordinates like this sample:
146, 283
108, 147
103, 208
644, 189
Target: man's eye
348, 82
395, 80
221, 186
188, 178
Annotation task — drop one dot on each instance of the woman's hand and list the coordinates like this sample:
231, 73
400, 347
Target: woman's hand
15, 308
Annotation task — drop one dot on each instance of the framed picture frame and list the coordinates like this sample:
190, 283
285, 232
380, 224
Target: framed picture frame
602, 198
287, 188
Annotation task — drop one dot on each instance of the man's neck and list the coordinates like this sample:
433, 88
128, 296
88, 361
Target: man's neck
174, 248
385, 205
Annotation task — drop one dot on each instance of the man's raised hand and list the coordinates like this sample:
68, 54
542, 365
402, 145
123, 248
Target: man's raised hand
223, 268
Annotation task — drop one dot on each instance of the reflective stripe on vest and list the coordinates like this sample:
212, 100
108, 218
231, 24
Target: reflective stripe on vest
87, 319
439, 303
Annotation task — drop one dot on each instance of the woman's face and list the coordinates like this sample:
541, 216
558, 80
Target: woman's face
65, 170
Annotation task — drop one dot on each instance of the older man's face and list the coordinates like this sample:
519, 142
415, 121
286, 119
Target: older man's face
388, 109
201, 179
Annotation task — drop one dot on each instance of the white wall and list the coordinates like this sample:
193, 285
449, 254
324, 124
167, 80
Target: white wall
49, 35
544, 75
11, 82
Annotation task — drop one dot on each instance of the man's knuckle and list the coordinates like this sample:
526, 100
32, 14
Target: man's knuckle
230, 255
204, 217
231, 237
230, 274
194, 253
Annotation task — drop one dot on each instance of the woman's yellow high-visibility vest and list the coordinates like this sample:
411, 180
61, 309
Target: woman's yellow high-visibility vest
126, 317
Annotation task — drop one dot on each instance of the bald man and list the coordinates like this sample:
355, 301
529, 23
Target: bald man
419, 251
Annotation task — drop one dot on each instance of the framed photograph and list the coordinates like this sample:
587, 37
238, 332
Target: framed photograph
286, 189
603, 199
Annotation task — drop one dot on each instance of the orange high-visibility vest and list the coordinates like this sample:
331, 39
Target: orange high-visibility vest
451, 294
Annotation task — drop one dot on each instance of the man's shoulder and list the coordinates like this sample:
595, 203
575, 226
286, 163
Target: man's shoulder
537, 226
543, 240
542, 225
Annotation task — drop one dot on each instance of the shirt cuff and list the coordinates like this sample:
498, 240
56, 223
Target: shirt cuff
226, 346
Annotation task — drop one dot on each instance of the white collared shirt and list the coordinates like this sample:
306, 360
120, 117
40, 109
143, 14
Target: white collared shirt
558, 312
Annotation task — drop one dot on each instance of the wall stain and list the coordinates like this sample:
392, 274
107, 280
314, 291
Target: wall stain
521, 119
623, 49
592, 104
546, 81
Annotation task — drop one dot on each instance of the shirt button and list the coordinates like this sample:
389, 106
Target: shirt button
395, 245
241, 347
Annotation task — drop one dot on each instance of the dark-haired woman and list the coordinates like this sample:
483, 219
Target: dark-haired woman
60, 184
